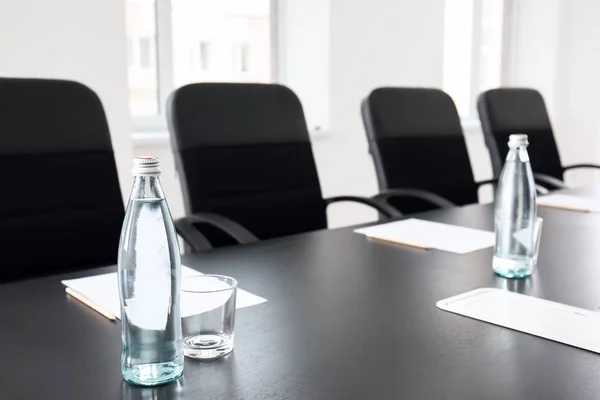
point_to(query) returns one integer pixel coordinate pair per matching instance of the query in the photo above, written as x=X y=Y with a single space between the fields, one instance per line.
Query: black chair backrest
x=416 y=141
x=61 y=207
x=243 y=151
x=517 y=110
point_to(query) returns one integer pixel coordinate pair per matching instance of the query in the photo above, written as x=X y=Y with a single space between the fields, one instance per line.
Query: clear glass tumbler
x=208 y=311
x=537 y=238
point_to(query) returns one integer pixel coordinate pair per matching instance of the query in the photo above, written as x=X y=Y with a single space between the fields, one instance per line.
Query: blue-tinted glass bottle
x=149 y=283
x=515 y=213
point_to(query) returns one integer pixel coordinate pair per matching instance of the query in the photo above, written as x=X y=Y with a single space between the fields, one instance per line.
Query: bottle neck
x=146 y=187
x=518 y=153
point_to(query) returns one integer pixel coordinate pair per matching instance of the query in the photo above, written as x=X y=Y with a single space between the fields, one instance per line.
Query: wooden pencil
x=91 y=305
x=418 y=246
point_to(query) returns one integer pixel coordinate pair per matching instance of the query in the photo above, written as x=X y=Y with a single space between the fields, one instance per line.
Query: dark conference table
x=346 y=318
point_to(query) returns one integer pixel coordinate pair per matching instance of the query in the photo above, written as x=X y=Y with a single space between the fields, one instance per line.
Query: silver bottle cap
x=146 y=165
x=517 y=140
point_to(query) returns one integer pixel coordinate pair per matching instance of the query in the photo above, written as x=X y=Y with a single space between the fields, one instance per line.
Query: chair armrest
x=198 y=242
x=581 y=166
x=542 y=183
x=429 y=197
x=548 y=182
x=380 y=206
x=541 y=190
x=493 y=181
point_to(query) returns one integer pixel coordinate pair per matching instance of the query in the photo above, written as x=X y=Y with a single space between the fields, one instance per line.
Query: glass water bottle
x=515 y=213
x=149 y=283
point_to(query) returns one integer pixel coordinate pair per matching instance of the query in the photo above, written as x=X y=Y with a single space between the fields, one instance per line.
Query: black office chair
x=61 y=207
x=416 y=140
x=245 y=160
x=516 y=110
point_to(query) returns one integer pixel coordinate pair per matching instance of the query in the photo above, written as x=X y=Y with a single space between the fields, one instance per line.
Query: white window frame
x=475 y=59
x=164 y=63
x=472 y=120
x=508 y=41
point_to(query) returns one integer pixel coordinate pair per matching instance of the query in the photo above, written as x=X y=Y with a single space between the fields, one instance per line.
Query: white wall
x=303 y=56
x=380 y=42
x=556 y=49
x=577 y=115
x=533 y=42
x=371 y=44
x=77 y=40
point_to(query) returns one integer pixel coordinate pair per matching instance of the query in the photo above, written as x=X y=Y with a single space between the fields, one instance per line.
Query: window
x=240 y=57
x=175 y=42
x=146 y=53
x=130 y=56
x=141 y=53
x=201 y=56
x=472 y=50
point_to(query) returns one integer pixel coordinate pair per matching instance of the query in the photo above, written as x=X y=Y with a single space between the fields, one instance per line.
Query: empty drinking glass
x=537 y=238
x=208 y=308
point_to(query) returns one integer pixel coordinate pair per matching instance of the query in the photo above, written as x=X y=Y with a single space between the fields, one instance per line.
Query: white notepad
x=554 y=321
x=569 y=202
x=103 y=290
x=435 y=235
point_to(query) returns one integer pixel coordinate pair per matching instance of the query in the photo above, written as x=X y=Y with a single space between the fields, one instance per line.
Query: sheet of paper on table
x=569 y=202
x=103 y=290
x=554 y=321
x=434 y=235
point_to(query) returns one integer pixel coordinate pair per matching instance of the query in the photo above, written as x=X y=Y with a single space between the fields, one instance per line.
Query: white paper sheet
x=103 y=290
x=567 y=201
x=554 y=321
x=435 y=235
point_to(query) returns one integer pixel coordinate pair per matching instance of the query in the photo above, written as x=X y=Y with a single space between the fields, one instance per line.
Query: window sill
x=150 y=137
x=471 y=126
